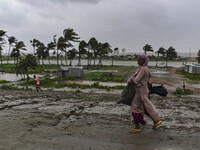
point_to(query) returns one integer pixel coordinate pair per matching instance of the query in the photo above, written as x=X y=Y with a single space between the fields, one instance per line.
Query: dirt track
x=90 y=121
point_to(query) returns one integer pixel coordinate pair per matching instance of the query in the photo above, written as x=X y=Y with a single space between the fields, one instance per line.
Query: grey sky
x=128 y=24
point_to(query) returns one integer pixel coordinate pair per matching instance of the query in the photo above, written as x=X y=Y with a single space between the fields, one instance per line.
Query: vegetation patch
x=179 y=91
x=10 y=87
x=58 y=83
x=4 y=81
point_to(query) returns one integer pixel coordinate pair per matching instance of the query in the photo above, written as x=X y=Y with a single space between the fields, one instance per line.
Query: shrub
x=180 y=92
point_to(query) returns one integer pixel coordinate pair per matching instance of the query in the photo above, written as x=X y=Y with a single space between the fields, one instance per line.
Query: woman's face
x=140 y=61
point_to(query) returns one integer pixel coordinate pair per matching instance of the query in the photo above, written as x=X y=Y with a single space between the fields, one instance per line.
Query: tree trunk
x=112 y=60
x=8 y=54
x=66 y=59
x=100 y=61
x=70 y=62
x=94 y=60
x=157 y=60
x=79 y=60
x=57 y=59
x=43 y=62
x=166 y=60
x=49 y=62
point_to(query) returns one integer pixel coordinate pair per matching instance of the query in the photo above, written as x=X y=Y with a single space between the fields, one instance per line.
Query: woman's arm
x=140 y=75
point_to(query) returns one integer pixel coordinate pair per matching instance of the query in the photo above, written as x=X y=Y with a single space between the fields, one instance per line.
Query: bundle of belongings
x=128 y=93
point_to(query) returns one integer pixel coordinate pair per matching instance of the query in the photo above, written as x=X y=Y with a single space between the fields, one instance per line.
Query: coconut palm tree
x=198 y=54
x=89 y=54
x=60 y=46
x=147 y=48
x=103 y=50
x=115 y=51
x=41 y=52
x=18 y=50
x=2 y=42
x=94 y=46
x=24 y=64
x=170 y=54
x=50 y=46
x=70 y=36
x=123 y=51
x=33 y=43
x=11 y=40
x=81 y=50
x=160 y=51
x=71 y=55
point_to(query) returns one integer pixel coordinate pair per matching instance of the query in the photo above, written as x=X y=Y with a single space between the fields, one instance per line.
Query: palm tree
x=116 y=50
x=11 y=41
x=170 y=54
x=94 y=46
x=103 y=50
x=17 y=50
x=160 y=51
x=123 y=51
x=89 y=54
x=81 y=50
x=60 y=45
x=50 y=46
x=41 y=51
x=28 y=62
x=33 y=43
x=70 y=36
x=198 y=54
x=2 y=42
x=71 y=55
x=147 y=48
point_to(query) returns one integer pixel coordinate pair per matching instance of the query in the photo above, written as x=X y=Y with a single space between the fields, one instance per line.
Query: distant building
x=192 y=68
x=70 y=71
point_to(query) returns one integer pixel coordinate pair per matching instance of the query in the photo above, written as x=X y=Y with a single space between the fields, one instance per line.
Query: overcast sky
x=128 y=24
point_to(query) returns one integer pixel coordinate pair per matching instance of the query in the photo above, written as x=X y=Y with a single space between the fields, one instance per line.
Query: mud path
x=91 y=121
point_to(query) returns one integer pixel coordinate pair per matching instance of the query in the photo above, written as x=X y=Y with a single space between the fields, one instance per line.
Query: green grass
x=11 y=87
x=60 y=83
x=4 y=81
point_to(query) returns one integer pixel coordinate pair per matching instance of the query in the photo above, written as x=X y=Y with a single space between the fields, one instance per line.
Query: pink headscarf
x=146 y=61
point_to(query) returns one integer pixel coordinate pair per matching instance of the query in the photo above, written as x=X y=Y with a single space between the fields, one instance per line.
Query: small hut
x=70 y=71
x=192 y=68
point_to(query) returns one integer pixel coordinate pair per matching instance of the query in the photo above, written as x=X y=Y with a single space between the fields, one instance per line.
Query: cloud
x=42 y=3
x=126 y=24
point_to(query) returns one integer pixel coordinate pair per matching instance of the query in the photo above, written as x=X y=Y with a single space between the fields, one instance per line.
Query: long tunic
x=141 y=102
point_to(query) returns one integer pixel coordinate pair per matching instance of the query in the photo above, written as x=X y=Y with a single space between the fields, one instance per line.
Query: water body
x=116 y=63
x=13 y=77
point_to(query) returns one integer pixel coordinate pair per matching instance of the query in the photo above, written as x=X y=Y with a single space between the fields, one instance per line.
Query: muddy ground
x=52 y=120
x=91 y=119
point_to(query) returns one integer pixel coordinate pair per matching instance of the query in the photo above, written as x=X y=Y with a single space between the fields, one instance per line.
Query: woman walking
x=141 y=104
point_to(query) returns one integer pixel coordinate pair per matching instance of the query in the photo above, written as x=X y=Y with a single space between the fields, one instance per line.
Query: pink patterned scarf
x=146 y=61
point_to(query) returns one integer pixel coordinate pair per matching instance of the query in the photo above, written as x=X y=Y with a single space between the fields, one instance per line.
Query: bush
x=180 y=92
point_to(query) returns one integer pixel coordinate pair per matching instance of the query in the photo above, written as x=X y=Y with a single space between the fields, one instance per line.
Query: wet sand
x=93 y=121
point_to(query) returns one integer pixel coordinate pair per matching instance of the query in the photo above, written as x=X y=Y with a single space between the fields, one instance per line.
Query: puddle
x=13 y=77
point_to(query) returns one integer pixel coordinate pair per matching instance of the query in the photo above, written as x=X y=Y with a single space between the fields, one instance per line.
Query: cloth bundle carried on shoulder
x=128 y=93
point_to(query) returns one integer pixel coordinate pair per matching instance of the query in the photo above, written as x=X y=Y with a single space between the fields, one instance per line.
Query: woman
x=141 y=104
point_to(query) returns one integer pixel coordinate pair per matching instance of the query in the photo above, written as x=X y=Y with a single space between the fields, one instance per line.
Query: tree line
x=64 y=50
